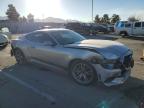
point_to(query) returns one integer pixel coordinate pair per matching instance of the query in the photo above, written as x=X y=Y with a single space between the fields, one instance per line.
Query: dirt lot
x=137 y=46
x=135 y=87
x=132 y=89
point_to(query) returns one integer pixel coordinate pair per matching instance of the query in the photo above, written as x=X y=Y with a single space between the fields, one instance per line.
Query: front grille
x=127 y=61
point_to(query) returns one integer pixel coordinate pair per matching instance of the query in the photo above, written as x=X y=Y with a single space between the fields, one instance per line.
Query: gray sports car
x=86 y=60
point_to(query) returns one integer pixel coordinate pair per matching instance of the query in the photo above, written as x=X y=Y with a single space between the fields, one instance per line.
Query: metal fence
x=24 y=27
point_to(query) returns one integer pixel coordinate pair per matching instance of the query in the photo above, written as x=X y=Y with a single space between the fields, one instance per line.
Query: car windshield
x=65 y=37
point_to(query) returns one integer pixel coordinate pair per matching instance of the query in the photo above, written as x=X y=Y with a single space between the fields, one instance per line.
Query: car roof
x=52 y=29
x=48 y=30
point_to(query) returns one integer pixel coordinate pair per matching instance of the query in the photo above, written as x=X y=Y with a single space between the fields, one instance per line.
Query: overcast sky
x=75 y=9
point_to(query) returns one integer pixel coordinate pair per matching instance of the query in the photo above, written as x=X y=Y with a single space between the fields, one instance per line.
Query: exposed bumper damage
x=112 y=77
x=120 y=71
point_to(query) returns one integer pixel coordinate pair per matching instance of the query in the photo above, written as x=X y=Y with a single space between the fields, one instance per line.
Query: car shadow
x=133 y=88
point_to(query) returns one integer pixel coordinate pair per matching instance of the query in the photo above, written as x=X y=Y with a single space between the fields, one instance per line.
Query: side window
x=128 y=25
x=142 y=24
x=44 y=38
x=39 y=37
x=138 y=24
x=122 y=24
x=32 y=37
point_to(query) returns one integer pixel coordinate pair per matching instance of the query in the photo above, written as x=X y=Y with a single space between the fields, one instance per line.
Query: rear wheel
x=124 y=34
x=82 y=72
x=20 y=58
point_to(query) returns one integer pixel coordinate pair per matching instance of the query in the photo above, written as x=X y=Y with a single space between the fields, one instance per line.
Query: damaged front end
x=117 y=72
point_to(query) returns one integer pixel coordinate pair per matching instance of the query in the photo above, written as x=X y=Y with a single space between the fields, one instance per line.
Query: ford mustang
x=86 y=60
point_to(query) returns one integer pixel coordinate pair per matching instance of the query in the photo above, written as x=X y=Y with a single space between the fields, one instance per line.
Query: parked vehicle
x=87 y=60
x=100 y=28
x=109 y=27
x=86 y=28
x=3 y=41
x=82 y=28
x=5 y=31
x=129 y=28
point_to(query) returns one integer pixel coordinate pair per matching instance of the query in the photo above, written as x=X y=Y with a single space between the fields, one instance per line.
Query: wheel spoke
x=83 y=73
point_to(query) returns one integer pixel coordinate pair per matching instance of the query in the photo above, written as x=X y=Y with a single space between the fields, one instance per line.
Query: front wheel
x=82 y=73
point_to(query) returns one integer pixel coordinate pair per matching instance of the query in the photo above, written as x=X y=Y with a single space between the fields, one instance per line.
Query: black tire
x=84 y=75
x=20 y=58
x=124 y=34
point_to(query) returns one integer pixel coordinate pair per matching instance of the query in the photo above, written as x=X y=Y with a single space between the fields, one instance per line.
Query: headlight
x=108 y=66
x=96 y=60
x=110 y=56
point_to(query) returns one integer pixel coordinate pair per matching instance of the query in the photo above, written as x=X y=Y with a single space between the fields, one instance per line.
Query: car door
x=137 y=29
x=32 y=42
x=128 y=28
x=51 y=52
x=43 y=48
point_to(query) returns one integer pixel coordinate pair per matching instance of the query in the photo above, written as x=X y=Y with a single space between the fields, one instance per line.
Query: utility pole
x=92 y=10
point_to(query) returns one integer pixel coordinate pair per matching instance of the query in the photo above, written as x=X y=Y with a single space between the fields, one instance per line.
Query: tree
x=105 y=19
x=30 y=17
x=102 y=20
x=23 y=19
x=12 y=13
x=115 y=18
x=133 y=19
x=97 y=19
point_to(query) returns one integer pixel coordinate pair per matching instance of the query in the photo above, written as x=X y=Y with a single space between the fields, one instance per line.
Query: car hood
x=104 y=47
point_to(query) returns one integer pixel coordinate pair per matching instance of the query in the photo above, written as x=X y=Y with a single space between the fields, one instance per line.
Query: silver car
x=87 y=61
x=3 y=41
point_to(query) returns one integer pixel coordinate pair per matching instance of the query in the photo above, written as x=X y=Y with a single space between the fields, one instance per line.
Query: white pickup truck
x=129 y=28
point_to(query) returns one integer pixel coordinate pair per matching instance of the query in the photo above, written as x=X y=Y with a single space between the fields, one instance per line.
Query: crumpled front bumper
x=112 y=77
